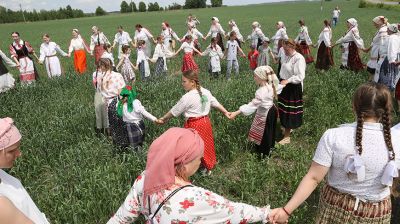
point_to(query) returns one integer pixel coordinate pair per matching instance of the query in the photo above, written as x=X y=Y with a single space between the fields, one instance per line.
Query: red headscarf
x=176 y=146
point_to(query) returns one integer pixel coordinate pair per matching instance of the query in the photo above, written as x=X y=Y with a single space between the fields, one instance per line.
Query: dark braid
x=387 y=135
x=360 y=124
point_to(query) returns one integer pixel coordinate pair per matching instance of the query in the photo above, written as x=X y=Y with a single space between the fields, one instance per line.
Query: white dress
x=168 y=34
x=142 y=57
x=48 y=55
x=145 y=35
x=279 y=35
x=255 y=35
x=12 y=189
x=215 y=55
x=6 y=80
x=122 y=39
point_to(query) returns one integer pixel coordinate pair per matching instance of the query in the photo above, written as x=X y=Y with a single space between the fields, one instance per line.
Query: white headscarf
x=256 y=24
x=393 y=28
x=353 y=22
x=281 y=24
x=215 y=19
x=380 y=20
x=267 y=73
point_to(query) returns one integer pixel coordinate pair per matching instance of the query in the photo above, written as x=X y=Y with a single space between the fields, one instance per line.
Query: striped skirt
x=290 y=104
x=262 y=131
x=203 y=126
x=306 y=52
x=340 y=208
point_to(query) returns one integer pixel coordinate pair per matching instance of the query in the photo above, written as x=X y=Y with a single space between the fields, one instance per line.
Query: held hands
x=228 y=114
x=284 y=82
x=278 y=216
x=159 y=122
x=233 y=115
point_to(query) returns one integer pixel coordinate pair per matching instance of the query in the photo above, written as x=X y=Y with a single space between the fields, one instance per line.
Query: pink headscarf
x=9 y=134
x=176 y=146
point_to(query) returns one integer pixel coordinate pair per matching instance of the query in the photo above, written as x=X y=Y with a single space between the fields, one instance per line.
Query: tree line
x=189 y=4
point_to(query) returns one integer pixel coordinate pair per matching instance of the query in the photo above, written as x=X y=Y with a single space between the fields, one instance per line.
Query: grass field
x=75 y=177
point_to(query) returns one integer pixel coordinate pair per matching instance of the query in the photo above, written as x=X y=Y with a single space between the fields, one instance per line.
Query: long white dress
x=168 y=34
x=121 y=39
x=145 y=35
x=215 y=55
x=6 y=79
x=48 y=55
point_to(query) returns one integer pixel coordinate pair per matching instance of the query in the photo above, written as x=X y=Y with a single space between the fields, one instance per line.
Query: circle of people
x=163 y=192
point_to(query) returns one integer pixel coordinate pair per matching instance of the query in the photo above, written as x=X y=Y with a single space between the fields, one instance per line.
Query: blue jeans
x=335 y=21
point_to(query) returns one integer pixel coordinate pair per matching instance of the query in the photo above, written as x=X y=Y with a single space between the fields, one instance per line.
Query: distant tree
x=68 y=12
x=124 y=7
x=195 y=4
x=216 y=3
x=132 y=7
x=100 y=11
x=174 y=6
x=142 y=7
x=161 y=9
x=153 y=7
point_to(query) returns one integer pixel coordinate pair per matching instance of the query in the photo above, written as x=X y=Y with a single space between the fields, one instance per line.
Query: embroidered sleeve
x=13 y=52
x=29 y=47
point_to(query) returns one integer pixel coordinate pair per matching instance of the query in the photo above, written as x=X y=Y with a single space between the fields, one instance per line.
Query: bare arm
x=9 y=214
x=120 y=62
x=167 y=116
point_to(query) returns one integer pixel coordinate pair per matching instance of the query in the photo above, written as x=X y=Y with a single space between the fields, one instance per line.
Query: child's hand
x=159 y=122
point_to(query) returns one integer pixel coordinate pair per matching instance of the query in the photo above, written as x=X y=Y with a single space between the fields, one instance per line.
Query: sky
x=108 y=5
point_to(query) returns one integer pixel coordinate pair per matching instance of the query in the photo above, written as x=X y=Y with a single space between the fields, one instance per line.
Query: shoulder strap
x=165 y=200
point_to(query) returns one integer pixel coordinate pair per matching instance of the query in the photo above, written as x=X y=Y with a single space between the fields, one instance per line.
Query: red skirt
x=188 y=63
x=354 y=61
x=98 y=52
x=203 y=126
x=306 y=52
x=80 y=61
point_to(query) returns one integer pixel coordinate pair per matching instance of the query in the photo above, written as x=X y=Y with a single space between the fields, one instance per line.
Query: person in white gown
x=48 y=56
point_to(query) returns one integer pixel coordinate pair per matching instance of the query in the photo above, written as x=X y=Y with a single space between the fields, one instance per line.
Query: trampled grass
x=76 y=177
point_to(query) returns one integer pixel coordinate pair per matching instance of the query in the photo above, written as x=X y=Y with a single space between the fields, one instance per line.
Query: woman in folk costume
x=97 y=42
x=196 y=34
x=215 y=53
x=167 y=33
x=192 y=21
x=20 y=51
x=122 y=38
x=350 y=43
x=360 y=161
x=163 y=193
x=394 y=59
x=279 y=37
x=17 y=207
x=262 y=131
x=195 y=106
x=380 y=23
x=188 y=48
x=144 y=34
x=235 y=28
x=216 y=31
x=48 y=55
x=304 y=42
x=290 y=101
x=78 y=46
x=6 y=79
x=160 y=55
x=257 y=36
x=324 y=55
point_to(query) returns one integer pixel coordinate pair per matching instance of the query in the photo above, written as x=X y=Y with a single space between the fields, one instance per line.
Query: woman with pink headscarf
x=16 y=205
x=163 y=192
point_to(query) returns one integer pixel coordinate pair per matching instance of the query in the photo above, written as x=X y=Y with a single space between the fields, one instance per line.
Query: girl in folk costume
x=192 y=21
x=262 y=131
x=257 y=36
x=235 y=28
x=324 y=55
x=351 y=42
x=48 y=55
x=122 y=38
x=78 y=46
x=195 y=105
x=304 y=42
x=144 y=34
x=265 y=54
x=20 y=51
x=161 y=53
x=100 y=103
x=360 y=161
x=215 y=53
x=126 y=66
x=111 y=86
x=108 y=54
x=97 y=42
x=394 y=59
x=217 y=32
x=142 y=63
x=290 y=101
x=6 y=79
x=195 y=36
x=167 y=33
x=132 y=112
x=279 y=36
x=188 y=48
x=380 y=23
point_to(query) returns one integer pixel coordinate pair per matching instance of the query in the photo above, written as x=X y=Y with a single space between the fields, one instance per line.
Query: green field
x=75 y=177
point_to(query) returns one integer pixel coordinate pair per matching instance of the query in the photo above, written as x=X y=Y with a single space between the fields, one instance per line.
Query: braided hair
x=193 y=75
x=372 y=100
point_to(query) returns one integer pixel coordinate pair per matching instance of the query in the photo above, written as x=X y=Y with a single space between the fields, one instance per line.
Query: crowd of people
x=359 y=160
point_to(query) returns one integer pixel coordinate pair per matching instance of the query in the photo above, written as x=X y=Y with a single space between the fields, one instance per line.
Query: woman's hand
x=284 y=82
x=159 y=122
x=278 y=215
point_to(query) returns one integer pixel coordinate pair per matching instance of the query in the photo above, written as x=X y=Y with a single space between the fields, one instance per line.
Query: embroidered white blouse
x=108 y=56
x=195 y=33
x=303 y=36
x=325 y=36
x=190 y=104
x=215 y=54
x=293 y=68
x=339 y=143
x=262 y=102
x=168 y=34
x=255 y=35
x=98 y=39
x=50 y=49
x=186 y=47
x=352 y=35
x=187 y=206
x=137 y=113
x=161 y=51
x=77 y=44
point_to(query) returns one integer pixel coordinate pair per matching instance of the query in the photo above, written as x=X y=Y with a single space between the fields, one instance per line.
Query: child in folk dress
x=253 y=57
x=161 y=53
x=142 y=63
x=265 y=53
x=130 y=109
x=232 y=47
x=215 y=53
x=195 y=106
x=108 y=54
x=262 y=131
x=188 y=62
x=127 y=66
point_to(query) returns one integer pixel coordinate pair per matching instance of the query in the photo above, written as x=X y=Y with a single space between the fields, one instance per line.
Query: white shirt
x=293 y=68
x=325 y=36
x=232 y=48
x=255 y=35
x=77 y=44
x=190 y=104
x=8 y=61
x=108 y=56
x=279 y=35
x=137 y=113
x=215 y=29
x=238 y=34
x=12 y=189
x=168 y=34
x=215 y=54
x=186 y=47
x=161 y=51
x=122 y=39
x=393 y=47
x=303 y=36
x=143 y=34
x=262 y=102
x=335 y=13
x=196 y=34
x=50 y=49
x=141 y=56
x=338 y=143
x=98 y=39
